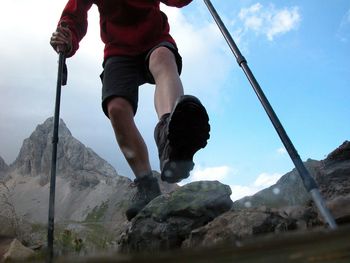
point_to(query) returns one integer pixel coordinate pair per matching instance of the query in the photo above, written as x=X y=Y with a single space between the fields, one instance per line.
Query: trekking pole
x=61 y=80
x=308 y=181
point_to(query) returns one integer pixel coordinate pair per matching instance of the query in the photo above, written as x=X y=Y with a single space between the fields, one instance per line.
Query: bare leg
x=163 y=67
x=168 y=88
x=128 y=136
x=180 y=137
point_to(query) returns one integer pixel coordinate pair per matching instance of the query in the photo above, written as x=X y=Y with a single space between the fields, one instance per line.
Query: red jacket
x=128 y=27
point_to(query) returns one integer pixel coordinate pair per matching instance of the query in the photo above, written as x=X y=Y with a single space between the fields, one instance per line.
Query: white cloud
x=250 y=16
x=211 y=173
x=347 y=17
x=264 y=180
x=219 y=173
x=344 y=28
x=27 y=66
x=283 y=21
x=269 y=21
x=224 y=174
x=24 y=48
x=240 y=191
x=250 y=10
x=281 y=151
x=201 y=46
x=92 y=46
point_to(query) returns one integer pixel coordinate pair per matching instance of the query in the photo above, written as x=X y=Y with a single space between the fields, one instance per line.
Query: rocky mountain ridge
x=331 y=174
x=91 y=199
x=81 y=175
x=88 y=189
x=81 y=164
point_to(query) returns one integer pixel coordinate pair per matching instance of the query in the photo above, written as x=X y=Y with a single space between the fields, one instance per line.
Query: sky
x=297 y=50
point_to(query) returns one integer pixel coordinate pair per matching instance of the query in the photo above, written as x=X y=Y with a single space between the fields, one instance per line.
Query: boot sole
x=188 y=132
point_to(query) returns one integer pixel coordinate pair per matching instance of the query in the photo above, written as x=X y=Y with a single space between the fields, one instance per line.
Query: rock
x=8 y=220
x=305 y=216
x=342 y=153
x=288 y=191
x=83 y=180
x=332 y=176
x=3 y=168
x=234 y=226
x=81 y=164
x=203 y=199
x=334 y=173
x=340 y=209
x=17 y=252
x=318 y=245
x=168 y=220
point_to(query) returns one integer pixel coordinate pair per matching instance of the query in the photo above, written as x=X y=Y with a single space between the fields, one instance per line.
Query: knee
x=162 y=59
x=119 y=109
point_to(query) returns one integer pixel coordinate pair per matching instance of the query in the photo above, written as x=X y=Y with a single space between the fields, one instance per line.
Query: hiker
x=138 y=50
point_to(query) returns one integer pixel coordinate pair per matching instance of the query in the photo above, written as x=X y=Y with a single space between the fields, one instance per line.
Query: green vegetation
x=68 y=241
x=79 y=238
x=82 y=238
x=97 y=213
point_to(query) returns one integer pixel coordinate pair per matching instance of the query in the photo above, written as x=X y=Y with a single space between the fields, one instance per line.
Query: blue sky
x=298 y=50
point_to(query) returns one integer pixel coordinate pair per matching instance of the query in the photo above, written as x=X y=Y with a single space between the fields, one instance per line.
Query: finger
x=64 y=31
x=56 y=43
x=60 y=38
x=60 y=48
x=58 y=34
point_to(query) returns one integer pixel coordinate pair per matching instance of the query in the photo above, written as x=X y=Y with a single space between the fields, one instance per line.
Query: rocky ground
x=317 y=245
x=92 y=200
x=200 y=214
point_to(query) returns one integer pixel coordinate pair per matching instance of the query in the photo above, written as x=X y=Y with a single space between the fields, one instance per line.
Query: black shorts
x=122 y=75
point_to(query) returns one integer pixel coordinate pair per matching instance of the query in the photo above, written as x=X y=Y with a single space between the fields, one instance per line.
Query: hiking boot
x=147 y=190
x=179 y=135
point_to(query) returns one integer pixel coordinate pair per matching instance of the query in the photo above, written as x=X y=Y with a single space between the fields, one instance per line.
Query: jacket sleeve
x=176 y=3
x=74 y=15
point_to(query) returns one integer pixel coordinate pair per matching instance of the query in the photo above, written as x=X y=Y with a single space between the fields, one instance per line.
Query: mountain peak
x=342 y=153
x=73 y=158
x=47 y=128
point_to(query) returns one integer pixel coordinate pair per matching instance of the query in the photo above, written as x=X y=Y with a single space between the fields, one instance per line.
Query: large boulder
x=169 y=219
x=235 y=226
x=284 y=206
x=17 y=252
